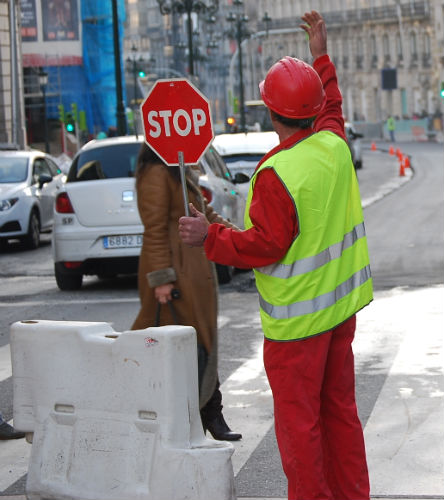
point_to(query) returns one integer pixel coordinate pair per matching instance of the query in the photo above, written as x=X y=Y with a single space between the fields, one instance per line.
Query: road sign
x=176 y=119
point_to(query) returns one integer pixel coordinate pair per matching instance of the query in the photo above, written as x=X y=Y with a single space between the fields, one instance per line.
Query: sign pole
x=184 y=183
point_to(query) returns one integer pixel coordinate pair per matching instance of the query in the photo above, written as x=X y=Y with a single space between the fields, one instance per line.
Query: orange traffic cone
x=401 y=166
x=406 y=162
x=373 y=147
x=398 y=153
x=391 y=151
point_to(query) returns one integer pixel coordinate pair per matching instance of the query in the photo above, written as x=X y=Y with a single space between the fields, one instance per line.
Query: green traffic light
x=142 y=74
x=69 y=127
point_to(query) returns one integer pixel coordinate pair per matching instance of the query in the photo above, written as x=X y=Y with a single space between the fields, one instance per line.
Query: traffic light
x=142 y=74
x=61 y=109
x=74 y=111
x=231 y=120
x=441 y=93
x=231 y=124
x=70 y=123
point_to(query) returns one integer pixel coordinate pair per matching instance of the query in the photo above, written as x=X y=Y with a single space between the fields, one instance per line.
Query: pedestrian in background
x=166 y=264
x=391 y=126
x=305 y=239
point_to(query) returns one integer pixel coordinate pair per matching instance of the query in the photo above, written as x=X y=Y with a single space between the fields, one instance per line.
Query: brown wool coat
x=165 y=259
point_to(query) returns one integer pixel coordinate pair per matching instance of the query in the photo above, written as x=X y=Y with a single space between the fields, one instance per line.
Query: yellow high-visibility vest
x=324 y=278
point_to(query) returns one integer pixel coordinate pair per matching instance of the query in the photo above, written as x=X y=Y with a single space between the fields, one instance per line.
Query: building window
x=374 y=51
x=399 y=48
x=386 y=49
x=413 y=49
x=426 y=53
x=359 y=54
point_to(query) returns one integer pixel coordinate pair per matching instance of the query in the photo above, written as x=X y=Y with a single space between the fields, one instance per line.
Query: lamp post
x=188 y=7
x=120 y=111
x=43 y=82
x=238 y=20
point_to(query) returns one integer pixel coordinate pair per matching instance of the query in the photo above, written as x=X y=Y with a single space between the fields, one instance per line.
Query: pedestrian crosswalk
x=400 y=337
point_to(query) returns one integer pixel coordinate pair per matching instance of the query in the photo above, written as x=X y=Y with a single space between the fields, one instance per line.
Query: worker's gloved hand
x=194 y=229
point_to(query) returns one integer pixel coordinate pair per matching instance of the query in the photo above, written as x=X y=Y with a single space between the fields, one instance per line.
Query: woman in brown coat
x=166 y=264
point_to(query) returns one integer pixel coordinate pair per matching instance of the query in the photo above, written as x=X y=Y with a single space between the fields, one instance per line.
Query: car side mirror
x=240 y=178
x=355 y=135
x=44 y=179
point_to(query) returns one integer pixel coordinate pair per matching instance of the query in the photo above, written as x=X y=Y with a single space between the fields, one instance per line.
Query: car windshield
x=245 y=163
x=244 y=159
x=107 y=162
x=13 y=170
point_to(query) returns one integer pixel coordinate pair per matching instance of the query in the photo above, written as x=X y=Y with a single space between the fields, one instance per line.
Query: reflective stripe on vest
x=311 y=263
x=318 y=303
x=324 y=278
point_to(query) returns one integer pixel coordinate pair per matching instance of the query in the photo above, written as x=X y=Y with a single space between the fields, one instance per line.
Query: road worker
x=305 y=238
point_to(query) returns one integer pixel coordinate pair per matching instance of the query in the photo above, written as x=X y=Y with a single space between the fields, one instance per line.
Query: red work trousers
x=317 y=426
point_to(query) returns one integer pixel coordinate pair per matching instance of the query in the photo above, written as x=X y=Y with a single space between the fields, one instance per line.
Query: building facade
x=388 y=54
x=12 y=130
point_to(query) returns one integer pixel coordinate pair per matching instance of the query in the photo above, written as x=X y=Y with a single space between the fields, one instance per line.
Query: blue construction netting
x=92 y=86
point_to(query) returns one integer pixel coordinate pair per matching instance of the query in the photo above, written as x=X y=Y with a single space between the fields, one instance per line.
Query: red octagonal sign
x=176 y=118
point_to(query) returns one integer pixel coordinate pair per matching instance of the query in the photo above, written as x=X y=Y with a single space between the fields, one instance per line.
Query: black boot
x=8 y=432
x=219 y=429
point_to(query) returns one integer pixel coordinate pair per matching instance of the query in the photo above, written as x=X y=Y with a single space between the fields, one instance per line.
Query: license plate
x=122 y=241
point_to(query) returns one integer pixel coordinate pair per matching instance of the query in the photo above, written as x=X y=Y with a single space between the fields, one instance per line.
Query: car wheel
x=32 y=238
x=224 y=273
x=67 y=281
x=4 y=244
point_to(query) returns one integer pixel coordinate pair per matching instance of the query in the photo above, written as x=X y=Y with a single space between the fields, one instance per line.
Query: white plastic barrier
x=115 y=416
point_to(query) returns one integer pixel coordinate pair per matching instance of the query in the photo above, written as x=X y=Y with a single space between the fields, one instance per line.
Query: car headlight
x=7 y=204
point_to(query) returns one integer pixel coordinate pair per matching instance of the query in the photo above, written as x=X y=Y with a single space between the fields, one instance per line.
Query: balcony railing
x=410 y=11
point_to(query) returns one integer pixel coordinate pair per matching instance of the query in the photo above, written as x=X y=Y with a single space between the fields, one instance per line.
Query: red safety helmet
x=293 y=89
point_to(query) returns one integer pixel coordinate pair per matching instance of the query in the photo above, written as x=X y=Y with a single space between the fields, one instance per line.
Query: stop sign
x=176 y=118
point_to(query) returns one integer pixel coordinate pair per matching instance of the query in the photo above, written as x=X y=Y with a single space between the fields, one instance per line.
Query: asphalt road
x=404 y=222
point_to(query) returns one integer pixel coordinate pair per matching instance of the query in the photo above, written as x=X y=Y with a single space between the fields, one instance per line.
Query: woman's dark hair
x=148 y=157
x=294 y=122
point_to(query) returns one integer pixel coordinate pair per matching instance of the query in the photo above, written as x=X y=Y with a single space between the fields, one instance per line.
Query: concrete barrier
x=115 y=416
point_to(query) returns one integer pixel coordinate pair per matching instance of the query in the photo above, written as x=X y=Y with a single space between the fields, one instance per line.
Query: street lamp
x=120 y=109
x=238 y=20
x=43 y=82
x=188 y=7
x=266 y=19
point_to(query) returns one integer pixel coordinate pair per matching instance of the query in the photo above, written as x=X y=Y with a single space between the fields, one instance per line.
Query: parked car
x=29 y=182
x=97 y=228
x=355 y=144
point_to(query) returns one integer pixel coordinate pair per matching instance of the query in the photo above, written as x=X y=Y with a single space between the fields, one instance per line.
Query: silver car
x=97 y=228
x=29 y=182
x=355 y=144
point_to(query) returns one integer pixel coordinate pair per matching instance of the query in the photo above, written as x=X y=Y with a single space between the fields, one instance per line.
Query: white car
x=242 y=152
x=29 y=182
x=97 y=228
